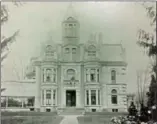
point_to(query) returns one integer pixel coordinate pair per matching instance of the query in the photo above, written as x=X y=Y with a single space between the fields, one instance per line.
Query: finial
x=70 y=11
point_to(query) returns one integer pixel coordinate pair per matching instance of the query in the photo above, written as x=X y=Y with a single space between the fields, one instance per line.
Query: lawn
x=38 y=118
x=96 y=118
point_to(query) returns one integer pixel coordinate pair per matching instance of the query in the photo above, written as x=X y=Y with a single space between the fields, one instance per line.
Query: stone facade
x=90 y=76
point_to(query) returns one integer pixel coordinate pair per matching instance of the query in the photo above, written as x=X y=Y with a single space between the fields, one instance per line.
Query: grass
x=30 y=118
x=96 y=118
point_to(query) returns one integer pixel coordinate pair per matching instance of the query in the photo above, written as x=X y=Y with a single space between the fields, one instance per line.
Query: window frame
x=113 y=76
x=94 y=97
x=114 y=97
x=67 y=50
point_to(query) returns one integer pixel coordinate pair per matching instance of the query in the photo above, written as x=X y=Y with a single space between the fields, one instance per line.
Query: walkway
x=70 y=119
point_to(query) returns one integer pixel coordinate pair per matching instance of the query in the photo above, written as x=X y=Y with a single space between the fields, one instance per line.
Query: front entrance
x=70 y=98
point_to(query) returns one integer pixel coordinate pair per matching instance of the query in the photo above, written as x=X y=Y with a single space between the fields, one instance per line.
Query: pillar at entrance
x=64 y=98
x=78 y=98
x=52 y=92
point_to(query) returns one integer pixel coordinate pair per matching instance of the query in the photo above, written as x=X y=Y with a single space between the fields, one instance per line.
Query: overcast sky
x=118 y=21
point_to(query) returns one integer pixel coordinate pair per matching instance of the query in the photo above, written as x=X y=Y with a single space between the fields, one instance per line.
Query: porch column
x=96 y=97
x=6 y=102
x=96 y=75
x=89 y=97
x=56 y=98
x=52 y=91
x=64 y=98
x=85 y=94
x=77 y=98
x=44 y=97
x=37 y=95
x=22 y=102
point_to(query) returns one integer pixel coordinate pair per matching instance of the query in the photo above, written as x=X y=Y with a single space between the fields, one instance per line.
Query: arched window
x=114 y=96
x=67 y=50
x=92 y=51
x=113 y=76
x=49 y=75
x=71 y=74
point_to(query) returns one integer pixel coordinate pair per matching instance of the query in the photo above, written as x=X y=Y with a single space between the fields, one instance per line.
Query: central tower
x=70 y=28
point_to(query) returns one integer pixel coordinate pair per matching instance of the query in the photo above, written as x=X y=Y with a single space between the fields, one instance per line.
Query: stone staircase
x=71 y=111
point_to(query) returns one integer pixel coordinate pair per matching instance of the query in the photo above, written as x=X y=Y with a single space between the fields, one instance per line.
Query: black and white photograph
x=78 y=62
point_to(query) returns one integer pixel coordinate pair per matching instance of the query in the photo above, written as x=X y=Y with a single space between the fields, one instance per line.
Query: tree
x=148 y=41
x=6 y=41
x=142 y=81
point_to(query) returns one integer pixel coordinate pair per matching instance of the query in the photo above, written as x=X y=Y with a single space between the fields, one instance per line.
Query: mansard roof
x=112 y=52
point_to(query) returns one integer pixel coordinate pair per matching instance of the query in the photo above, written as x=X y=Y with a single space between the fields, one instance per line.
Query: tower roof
x=70 y=13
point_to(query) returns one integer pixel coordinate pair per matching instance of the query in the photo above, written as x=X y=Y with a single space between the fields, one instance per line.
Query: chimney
x=100 y=40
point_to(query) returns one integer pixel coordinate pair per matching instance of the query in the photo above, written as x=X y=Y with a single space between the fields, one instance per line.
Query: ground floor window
x=49 y=97
x=114 y=99
x=114 y=96
x=19 y=102
x=87 y=97
x=98 y=97
x=92 y=97
x=54 y=97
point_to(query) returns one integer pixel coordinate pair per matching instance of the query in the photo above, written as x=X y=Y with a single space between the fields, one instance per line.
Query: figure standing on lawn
x=132 y=109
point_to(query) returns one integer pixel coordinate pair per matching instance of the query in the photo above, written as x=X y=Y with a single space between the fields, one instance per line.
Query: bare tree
x=7 y=41
x=143 y=79
x=19 y=69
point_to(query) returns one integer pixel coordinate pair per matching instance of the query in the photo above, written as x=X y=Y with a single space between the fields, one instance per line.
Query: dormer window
x=49 y=51
x=67 y=50
x=113 y=76
x=73 y=50
x=92 y=51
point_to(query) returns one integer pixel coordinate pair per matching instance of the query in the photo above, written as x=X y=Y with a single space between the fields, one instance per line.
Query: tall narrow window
x=54 y=97
x=43 y=97
x=92 y=75
x=113 y=76
x=92 y=51
x=49 y=51
x=54 y=75
x=67 y=50
x=44 y=75
x=73 y=50
x=97 y=75
x=87 y=75
x=98 y=97
x=93 y=97
x=114 y=96
x=48 y=97
x=48 y=75
x=87 y=97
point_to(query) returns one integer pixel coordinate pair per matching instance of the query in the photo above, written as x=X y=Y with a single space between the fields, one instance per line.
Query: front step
x=71 y=111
